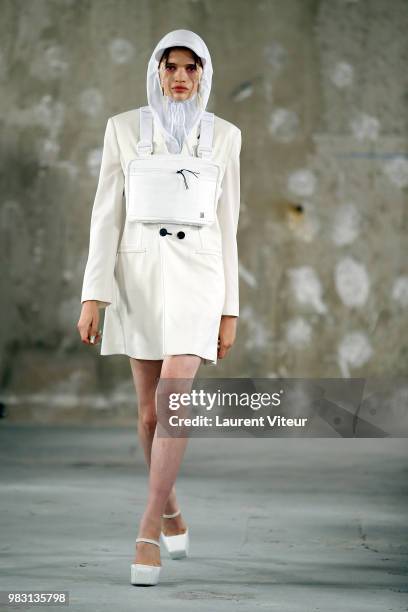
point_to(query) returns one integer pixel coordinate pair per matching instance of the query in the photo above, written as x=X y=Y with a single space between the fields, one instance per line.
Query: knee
x=148 y=419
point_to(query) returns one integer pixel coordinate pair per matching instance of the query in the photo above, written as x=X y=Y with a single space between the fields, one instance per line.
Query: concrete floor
x=283 y=524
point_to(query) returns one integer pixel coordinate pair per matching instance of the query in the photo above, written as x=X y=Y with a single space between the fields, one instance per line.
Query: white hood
x=178 y=117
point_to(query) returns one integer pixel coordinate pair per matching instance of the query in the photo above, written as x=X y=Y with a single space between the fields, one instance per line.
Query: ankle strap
x=148 y=540
x=172 y=515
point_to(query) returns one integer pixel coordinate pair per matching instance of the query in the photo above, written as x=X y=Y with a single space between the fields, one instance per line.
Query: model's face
x=180 y=71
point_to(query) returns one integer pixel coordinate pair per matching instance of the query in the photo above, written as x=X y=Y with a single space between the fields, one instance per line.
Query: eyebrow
x=175 y=64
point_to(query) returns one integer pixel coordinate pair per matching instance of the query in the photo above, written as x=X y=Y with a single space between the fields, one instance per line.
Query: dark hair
x=166 y=53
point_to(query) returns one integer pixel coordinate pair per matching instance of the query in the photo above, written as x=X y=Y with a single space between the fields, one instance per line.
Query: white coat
x=164 y=295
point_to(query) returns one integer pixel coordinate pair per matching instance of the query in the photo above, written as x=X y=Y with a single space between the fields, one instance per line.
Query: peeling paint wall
x=319 y=89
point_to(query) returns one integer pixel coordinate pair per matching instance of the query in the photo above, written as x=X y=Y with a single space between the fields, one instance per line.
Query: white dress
x=164 y=294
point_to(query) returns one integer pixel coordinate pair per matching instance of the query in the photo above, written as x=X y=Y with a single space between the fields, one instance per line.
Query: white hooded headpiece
x=178 y=117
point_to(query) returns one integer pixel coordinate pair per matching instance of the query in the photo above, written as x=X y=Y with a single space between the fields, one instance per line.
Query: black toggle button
x=180 y=235
x=163 y=231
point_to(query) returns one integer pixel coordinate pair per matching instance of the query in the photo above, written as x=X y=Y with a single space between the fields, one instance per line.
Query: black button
x=163 y=231
x=180 y=234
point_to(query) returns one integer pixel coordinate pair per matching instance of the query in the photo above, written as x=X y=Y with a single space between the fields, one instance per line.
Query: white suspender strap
x=145 y=145
x=204 y=148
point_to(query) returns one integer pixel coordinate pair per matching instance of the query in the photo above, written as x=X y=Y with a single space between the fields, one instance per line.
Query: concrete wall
x=319 y=89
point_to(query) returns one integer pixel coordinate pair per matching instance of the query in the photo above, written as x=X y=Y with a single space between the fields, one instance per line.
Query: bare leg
x=146 y=374
x=165 y=459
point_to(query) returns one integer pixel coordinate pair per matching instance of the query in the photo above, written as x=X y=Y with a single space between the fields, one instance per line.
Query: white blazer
x=164 y=295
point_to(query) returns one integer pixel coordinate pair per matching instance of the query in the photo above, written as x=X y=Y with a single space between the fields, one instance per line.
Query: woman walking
x=164 y=262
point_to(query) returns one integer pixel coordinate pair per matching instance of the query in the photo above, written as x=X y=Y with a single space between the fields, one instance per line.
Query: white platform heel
x=145 y=574
x=177 y=545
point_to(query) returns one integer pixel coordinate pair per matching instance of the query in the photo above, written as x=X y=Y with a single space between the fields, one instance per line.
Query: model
x=163 y=259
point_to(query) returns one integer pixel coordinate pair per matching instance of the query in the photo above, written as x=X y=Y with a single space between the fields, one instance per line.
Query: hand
x=89 y=322
x=226 y=337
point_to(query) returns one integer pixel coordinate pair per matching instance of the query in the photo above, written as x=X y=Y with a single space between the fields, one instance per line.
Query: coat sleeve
x=106 y=222
x=228 y=213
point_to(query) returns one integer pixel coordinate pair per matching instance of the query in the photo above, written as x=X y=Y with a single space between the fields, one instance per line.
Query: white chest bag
x=173 y=188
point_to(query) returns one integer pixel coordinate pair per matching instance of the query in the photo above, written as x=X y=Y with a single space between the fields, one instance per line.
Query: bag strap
x=205 y=146
x=145 y=145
